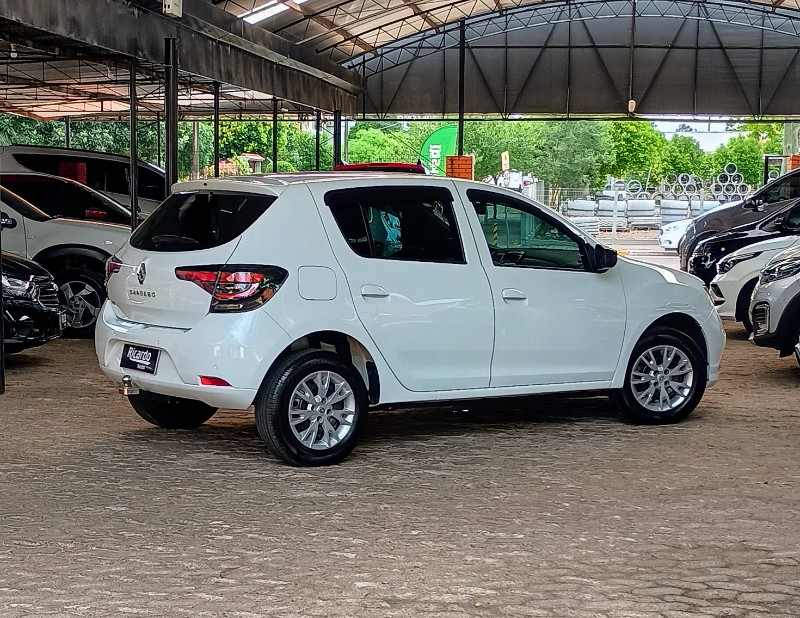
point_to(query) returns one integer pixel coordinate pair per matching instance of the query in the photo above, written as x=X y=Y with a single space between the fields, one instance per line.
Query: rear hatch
x=192 y=230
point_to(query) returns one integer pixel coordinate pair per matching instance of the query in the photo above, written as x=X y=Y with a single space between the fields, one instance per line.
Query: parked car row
x=70 y=230
x=748 y=255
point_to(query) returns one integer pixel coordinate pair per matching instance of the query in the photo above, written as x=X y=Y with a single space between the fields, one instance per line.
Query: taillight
x=113 y=265
x=235 y=287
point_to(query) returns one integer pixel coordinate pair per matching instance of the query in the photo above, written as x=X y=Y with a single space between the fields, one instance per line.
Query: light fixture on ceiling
x=266 y=10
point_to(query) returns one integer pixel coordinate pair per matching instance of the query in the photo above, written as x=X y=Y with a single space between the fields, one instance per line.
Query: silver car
x=775 y=305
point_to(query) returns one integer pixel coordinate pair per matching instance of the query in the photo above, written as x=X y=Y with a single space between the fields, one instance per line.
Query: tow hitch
x=127 y=386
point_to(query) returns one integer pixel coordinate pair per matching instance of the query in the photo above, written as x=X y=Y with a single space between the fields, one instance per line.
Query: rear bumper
x=239 y=348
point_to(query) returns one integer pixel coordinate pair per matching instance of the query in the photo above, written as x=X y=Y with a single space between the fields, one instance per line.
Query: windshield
x=193 y=221
x=58 y=197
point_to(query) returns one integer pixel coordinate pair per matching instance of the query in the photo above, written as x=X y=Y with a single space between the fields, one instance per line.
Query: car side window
x=517 y=236
x=398 y=223
x=786 y=189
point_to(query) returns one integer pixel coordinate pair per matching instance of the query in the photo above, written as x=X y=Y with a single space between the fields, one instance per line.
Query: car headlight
x=781 y=270
x=729 y=262
x=672 y=227
x=16 y=287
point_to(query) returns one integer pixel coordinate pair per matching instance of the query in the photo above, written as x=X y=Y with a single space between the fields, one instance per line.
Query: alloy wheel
x=322 y=410
x=82 y=303
x=662 y=378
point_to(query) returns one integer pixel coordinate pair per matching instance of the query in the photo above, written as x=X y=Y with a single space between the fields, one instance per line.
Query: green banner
x=440 y=144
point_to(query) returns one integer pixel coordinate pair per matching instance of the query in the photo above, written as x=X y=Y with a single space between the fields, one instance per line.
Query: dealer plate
x=139 y=358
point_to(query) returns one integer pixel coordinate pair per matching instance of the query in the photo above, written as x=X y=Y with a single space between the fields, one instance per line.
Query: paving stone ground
x=537 y=507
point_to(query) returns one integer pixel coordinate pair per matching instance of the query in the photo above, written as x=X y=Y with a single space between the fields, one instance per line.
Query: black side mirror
x=755 y=204
x=604 y=258
x=7 y=222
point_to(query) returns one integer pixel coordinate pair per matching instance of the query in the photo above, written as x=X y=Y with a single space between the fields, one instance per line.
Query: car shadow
x=236 y=432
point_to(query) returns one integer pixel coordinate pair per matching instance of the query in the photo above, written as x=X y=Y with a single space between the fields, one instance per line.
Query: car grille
x=760 y=319
x=47 y=292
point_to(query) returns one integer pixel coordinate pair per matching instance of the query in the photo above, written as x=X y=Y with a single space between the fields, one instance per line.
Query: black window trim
x=533 y=210
x=337 y=196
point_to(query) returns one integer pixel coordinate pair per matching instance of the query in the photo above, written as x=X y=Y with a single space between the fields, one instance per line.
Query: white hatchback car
x=314 y=296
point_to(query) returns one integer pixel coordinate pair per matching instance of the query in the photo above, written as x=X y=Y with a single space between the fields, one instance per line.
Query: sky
x=710 y=135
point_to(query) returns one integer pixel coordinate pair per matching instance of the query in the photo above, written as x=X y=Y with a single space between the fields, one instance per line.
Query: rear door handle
x=373 y=291
x=513 y=294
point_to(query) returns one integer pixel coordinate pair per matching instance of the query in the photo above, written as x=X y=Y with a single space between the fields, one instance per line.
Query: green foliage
x=374 y=145
x=636 y=149
x=746 y=152
x=18 y=130
x=572 y=154
x=241 y=165
x=684 y=154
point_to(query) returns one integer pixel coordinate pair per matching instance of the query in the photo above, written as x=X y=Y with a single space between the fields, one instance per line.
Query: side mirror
x=755 y=204
x=604 y=258
x=7 y=222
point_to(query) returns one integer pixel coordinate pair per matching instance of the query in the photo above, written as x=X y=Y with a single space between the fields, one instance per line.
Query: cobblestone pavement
x=538 y=507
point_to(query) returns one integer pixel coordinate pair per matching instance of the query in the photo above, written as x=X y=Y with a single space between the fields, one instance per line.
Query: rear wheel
x=83 y=293
x=665 y=379
x=171 y=412
x=311 y=408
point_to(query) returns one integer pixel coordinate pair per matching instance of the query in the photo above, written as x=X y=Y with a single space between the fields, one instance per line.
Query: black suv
x=31 y=309
x=785 y=222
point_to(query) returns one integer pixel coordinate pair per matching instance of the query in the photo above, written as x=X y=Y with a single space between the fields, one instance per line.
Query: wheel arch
x=72 y=256
x=743 y=300
x=346 y=346
x=683 y=323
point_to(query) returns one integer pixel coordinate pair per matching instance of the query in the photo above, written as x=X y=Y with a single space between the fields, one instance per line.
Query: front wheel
x=171 y=412
x=311 y=409
x=665 y=379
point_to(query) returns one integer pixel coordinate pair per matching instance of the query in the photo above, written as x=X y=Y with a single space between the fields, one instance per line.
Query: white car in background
x=738 y=275
x=670 y=234
x=775 y=306
x=314 y=297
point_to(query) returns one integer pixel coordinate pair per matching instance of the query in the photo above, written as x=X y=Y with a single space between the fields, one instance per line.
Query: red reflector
x=212 y=381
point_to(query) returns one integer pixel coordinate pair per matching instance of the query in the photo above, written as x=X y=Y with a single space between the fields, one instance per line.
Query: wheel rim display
x=82 y=303
x=662 y=378
x=322 y=410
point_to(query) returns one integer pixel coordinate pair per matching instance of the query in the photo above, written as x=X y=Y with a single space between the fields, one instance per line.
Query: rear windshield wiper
x=161 y=239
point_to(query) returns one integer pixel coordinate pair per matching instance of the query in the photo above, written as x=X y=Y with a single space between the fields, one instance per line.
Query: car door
x=14 y=237
x=556 y=321
x=416 y=281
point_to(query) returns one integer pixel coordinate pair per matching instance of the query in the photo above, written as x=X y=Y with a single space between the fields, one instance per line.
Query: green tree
x=374 y=145
x=572 y=154
x=636 y=149
x=205 y=146
x=683 y=154
x=746 y=151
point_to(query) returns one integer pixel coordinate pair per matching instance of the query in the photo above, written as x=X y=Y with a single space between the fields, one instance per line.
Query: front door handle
x=373 y=291
x=513 y=294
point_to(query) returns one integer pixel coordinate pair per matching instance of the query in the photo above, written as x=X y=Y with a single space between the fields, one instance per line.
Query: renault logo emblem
x=141 y=273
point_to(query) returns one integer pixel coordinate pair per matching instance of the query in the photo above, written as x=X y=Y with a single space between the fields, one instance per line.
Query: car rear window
x=192 y=221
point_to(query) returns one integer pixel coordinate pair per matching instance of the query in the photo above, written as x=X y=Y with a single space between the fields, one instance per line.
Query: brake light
x=113 y=265
x=235 y=287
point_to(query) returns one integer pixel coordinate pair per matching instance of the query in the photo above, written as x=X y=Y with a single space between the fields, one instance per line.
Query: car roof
x=94 y=154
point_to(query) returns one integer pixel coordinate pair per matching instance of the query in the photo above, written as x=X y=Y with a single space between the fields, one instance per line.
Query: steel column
x=275 y=104
x=2 y=334
x=462 y=58
x=337 y=137
x=67 y=132
x=158 y=140
x=216 y=129
x=133 y=173
x=171 y=110
x=318 y=131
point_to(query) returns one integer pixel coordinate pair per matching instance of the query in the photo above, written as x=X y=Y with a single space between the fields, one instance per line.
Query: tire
x=171 y=412
x=83 y=292
x=688 y=395
x=743 y=305
x=296 y=432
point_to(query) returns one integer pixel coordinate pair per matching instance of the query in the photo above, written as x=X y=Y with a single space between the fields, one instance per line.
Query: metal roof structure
x=529 y=57
x=378 y=58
